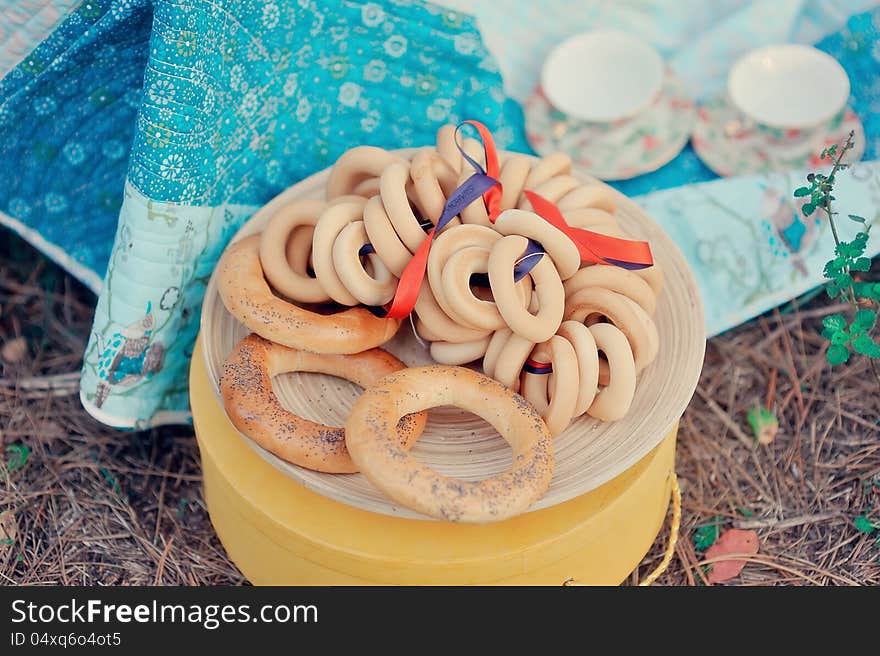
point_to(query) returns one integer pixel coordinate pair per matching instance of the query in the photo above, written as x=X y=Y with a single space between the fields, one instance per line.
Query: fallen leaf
x=7 y=532
x=733 y=541
x=764 y=424
x=14 y=350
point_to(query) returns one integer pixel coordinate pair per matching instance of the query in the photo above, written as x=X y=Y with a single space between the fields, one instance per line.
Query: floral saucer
x=621 y=149
x=729 y=145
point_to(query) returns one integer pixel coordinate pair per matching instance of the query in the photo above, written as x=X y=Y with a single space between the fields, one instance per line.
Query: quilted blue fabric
x=241 y=98
x=211 y=108
x=203 y=102
x=857 y=48
x=67 y=117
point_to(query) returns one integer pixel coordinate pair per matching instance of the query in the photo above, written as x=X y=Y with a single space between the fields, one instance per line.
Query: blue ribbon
x=469 y=191
x=539 y=368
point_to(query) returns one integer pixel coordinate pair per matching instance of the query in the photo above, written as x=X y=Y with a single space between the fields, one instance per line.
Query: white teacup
x=789 y=91
x=602 y=77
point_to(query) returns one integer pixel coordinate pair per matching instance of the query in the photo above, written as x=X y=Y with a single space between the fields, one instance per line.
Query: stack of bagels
x=569 y=336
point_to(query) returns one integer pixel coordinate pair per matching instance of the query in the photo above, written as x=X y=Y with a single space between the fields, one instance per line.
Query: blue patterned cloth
x=211 y=108
x=67 y=117
x=138 y=136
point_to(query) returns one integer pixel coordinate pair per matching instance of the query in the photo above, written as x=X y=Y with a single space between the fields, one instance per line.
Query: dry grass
x=98 y=506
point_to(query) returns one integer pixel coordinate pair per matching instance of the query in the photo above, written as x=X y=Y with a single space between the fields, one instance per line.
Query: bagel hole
x=321 y=398
x=292 y=256
x=483 y=293
x=330 y=307
x=462 y=445
x=479 y=282
x=604 y=370
x=417 y=211
x=317 y=397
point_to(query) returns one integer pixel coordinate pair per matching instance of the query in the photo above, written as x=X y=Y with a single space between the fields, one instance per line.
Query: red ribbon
x=492 y=197
x=483 y=183
x=593 y=246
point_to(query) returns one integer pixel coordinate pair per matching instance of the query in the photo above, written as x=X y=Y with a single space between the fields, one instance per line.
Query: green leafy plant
x=853 y=333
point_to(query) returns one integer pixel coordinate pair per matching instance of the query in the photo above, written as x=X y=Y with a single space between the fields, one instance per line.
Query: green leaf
x=745 y=512
x=867 y=289
x=857 y=218
x=837 y=354
x=802 y=191
x=864 y=345
x=834 y=322
x=832 y=289
x=843 y=280
x=828 y=333
x=840 y=337
x=764 y=424
x=863 y=289
x=705 y=535
x=835 y=266
x=865 y=318
x=864 y=525
x=861 y=264
x=18 y=456
x=808 y=208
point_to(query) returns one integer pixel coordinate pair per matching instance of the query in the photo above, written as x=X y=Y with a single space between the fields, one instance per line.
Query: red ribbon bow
x=592 y=246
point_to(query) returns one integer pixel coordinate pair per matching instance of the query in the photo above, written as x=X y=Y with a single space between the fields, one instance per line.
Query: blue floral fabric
x=230 y=102
x=857 y=48
x=67 y=116
x=242 y=98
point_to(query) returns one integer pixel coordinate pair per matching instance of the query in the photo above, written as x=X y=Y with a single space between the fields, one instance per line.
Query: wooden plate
x=588 y=454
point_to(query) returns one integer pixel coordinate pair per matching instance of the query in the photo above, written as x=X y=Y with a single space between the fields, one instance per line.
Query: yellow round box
x=280 y=533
